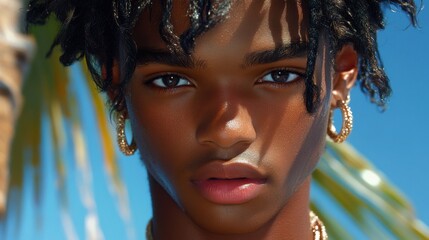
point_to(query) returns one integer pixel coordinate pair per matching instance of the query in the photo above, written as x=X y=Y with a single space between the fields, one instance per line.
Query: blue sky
x=396 y=141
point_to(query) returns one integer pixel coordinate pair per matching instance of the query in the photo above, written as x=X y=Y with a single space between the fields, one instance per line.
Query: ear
x=112 y=92
x=345 y=73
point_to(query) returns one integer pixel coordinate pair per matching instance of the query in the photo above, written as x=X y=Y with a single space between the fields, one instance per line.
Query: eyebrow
x=281 y=52
x=284 y=51
x=145 y=57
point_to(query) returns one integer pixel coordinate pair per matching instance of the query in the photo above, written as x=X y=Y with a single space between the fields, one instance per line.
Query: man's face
x=225 y=133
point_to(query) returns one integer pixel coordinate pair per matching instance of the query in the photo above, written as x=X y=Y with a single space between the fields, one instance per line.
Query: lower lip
x=230 y=191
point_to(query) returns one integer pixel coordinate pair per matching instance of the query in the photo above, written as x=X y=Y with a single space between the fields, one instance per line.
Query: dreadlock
x=91 y=29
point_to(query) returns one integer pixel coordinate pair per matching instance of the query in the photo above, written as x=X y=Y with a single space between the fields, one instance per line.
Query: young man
x=229 y=101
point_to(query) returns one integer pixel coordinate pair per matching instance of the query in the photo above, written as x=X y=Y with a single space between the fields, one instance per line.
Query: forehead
x=249 y=25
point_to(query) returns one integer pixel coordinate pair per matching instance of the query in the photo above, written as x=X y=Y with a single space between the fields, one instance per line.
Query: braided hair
x=91 y=29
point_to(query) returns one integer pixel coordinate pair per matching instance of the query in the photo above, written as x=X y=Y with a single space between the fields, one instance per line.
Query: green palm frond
x=48 y=98
x=375 y=205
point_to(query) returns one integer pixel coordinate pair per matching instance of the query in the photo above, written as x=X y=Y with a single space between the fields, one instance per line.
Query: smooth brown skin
x=231 y=112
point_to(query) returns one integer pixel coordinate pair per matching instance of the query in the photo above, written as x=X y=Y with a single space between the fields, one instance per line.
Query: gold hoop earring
x=347 y=125
x=127 y=149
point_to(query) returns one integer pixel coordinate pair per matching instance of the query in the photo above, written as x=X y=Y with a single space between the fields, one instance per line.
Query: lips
x=229 y=183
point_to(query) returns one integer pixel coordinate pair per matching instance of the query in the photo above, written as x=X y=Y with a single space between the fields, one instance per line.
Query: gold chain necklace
x=317 y=227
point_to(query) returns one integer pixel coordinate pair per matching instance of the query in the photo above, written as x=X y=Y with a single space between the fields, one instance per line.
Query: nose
x=226 y=125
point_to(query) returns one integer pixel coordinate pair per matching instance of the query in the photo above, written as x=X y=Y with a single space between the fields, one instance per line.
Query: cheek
x=311 y=148
x=297 y=144
x=296 y=154
x=297 y=139
x=161 y=136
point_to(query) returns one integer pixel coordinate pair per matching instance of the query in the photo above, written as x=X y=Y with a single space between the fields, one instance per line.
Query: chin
x=246 y=218
x=230 y=220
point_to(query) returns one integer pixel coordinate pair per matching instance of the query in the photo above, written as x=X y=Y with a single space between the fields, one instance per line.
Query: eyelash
x=297 y=76
x=180 y=81
x=159 y=81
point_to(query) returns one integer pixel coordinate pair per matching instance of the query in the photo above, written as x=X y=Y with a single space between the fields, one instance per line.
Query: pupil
x=280 y=76
x=170 y=81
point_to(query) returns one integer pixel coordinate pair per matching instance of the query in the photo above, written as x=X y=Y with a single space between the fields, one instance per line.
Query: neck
x=171 y=222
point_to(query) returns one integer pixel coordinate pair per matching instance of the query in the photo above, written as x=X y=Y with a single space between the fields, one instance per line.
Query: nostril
x=226 y=135
x=227 y=127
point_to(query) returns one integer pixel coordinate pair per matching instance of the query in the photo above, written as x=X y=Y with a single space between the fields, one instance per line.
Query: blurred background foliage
x=344 y=177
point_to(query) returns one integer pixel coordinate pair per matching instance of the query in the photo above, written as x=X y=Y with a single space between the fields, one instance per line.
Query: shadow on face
x=237 y=98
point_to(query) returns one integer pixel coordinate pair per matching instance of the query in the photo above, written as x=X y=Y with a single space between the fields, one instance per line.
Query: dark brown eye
x=280 y=76
x=170 y=81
